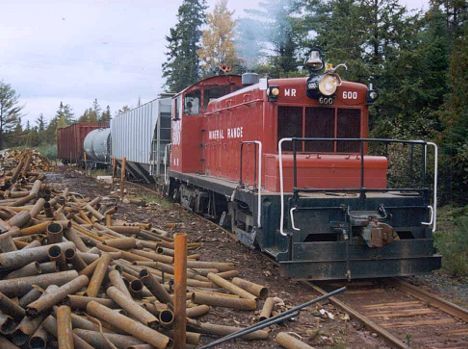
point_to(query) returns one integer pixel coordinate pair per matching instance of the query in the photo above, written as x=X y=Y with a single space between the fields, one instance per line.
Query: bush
x=452 y=240
x=48 y=150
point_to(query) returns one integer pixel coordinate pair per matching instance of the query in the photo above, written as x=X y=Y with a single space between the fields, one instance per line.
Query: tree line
x=14 y=133
x=417 y=61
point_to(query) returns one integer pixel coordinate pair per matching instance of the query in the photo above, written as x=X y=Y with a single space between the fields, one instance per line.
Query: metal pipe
x=128 y=325
x=223 y=330
x=226 y=302
x=17 y=259
x=75 y=259
x=50 y=325
x=180 y=289
x=20 y=286
x=131 y=307
x=31 y=296
x=275 y=319
x=153 y=285
x=32 y=268
x=198 y=310
x=97 y=340
x=7 y=306
x=80 y=302
x=46 y=301
x=7 y=324
x=64 y=328
x=116 y=280
x=56 y=255
x=267 y=308
x=98 y=275
x=54 y=233
x=39 y=339
x=231 y=287
x=253 y=288
x=122 y=243
x=289 y=342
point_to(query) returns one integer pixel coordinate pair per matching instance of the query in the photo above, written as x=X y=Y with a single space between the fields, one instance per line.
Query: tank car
x=287 y=165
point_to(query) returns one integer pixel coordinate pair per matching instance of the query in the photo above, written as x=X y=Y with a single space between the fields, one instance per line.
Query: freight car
x=287 y=164
x=70 y=140
x=141 y=135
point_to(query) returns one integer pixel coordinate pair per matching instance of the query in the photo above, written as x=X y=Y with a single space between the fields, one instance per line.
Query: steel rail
x=433 y=300
x=362 y=318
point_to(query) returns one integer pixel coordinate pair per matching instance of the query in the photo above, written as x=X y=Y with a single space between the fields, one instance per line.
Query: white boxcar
x=140 y=135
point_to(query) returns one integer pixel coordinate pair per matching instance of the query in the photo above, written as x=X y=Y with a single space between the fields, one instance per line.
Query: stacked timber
x=72 y=275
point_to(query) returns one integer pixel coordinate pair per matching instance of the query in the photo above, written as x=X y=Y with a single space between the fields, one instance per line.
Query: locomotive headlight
x=328 y=84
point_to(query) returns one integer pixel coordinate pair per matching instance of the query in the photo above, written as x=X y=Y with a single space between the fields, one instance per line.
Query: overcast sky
x=77 y=50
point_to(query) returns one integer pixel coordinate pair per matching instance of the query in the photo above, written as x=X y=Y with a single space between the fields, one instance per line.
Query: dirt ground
x=217 y=245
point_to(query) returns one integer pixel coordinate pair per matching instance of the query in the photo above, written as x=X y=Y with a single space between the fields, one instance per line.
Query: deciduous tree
x=217 y=46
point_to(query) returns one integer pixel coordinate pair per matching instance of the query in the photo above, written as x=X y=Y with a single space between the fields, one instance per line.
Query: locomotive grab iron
x=288 y=166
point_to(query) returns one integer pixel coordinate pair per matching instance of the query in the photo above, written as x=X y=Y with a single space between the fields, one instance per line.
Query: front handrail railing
x=362 y=189
x=258 y=144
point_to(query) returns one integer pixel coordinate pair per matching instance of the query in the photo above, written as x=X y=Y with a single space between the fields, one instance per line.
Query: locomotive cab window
x=213 y=92
x=192 y=103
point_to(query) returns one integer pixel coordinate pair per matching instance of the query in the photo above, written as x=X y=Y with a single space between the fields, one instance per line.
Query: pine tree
x=106 y=115
x=64 y=115
x=182 y=67
x=41 y=123
x=218 y=40
x=10 y=111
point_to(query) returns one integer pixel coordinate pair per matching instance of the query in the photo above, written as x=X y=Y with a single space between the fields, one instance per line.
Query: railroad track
x=403 y=314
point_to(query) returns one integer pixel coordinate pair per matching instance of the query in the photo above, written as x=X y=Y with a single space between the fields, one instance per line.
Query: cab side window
x=192 y=103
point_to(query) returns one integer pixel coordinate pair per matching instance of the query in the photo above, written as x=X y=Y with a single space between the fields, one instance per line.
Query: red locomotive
x=286 y=163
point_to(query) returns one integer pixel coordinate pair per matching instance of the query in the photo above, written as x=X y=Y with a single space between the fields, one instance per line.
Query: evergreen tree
x=106 y=115
x=41 y=123
x=182 y=66
x=64 y=115
x=454 y=115
x=9 y=111
x=218 y=41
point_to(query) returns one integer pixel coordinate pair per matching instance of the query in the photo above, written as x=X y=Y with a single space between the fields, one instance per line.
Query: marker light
x=328 y=84
x=273 y=93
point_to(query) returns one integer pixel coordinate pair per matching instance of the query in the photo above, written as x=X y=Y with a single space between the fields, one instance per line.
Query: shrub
x=452 y=241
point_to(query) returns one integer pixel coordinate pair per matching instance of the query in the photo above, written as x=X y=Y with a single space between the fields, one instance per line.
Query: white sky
x=77 y=50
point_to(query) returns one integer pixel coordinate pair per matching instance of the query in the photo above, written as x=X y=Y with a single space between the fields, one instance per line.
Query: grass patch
x=152 y=199
x=451 y=240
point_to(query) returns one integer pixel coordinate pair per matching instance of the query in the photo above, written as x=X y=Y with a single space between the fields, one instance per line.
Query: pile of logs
x=71 y=275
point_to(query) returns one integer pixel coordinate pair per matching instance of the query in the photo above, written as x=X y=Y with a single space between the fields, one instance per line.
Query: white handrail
x=436 y=174
x=259 y=196
x=280 y=154
x=165 y=162
x=291 y=213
